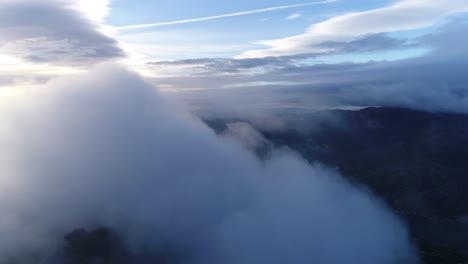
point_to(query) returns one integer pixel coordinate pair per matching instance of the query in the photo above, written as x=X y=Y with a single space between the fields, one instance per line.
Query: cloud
x=294 y=16
x=254 y=66
x=210 y=66
x=368 y=43
x=49 y=31
x=248 y=136
x=243 y=13
x=401 y=16
x=433 y=82
x=106 y=149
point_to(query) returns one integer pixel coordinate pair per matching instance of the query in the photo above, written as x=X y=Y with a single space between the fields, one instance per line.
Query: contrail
x=244 y=13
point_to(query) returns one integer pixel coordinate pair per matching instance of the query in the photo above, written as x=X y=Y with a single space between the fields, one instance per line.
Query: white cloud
x=294 y=16
x=108 y=150
x=401 y=16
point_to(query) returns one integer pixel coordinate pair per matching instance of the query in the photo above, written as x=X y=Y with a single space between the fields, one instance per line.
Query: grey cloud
x=435 y=82
x=105 y=149
x=208 y=66
x=368 y=43
x=51 y=32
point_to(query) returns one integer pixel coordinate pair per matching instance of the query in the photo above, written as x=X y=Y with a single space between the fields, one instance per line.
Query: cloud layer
x=104 y=148
x=435 y=81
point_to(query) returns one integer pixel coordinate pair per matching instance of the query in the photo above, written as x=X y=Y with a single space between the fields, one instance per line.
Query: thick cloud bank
x=105 y=149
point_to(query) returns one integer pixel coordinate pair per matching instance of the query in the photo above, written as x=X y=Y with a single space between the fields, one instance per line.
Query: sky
x=101 y=104
x=224 y=36
x=213 y=52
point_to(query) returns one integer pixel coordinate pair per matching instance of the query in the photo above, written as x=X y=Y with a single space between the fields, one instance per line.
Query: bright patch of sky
x=233 y=35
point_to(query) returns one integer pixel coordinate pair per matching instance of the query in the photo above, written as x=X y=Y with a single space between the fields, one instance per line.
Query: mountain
x=416 y=161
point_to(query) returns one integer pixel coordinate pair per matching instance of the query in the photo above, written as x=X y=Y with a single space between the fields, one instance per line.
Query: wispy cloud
x=243 y=13
x=294 y=16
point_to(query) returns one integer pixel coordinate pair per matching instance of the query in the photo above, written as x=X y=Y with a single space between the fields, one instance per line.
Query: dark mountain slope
x=416 y=161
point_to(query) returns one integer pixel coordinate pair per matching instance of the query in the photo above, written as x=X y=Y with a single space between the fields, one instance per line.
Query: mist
x=105 y=148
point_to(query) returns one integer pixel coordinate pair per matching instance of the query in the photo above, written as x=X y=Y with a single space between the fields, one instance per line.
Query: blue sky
x=227 y=37
x=126 y=12
x=233 y=36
